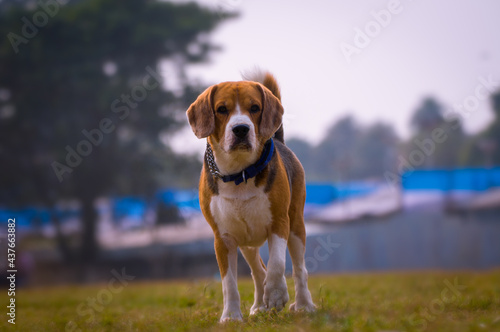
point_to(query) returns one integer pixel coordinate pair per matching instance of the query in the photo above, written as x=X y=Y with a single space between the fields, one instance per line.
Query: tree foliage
x=427 y=116
x=348 y=151
x=483 y=150
x=352 y=152
x=438 y=143
x=91 y=73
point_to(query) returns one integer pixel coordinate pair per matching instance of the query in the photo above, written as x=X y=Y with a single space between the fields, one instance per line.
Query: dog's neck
x=234 y=161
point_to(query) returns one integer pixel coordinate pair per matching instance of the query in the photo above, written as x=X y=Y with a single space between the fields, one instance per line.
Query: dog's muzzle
x=241 y=137
x=241 y=131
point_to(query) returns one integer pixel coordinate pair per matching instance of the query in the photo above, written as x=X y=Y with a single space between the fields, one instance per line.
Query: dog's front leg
x=275 y=290
x=226 y=251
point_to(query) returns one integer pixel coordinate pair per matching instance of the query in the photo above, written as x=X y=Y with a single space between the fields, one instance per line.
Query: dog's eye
x=254 y=109
x=222 y=110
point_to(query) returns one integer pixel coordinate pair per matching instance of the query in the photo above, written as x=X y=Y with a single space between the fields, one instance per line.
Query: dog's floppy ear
x=272 y=113
x=201 y=115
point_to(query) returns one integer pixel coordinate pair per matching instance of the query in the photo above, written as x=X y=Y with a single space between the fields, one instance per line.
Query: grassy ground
x=420 y=301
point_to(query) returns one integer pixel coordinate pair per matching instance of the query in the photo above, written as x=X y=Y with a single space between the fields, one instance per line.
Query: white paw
x=256 y=308
x=276 y=294
x=231 y=316
x=307 y=307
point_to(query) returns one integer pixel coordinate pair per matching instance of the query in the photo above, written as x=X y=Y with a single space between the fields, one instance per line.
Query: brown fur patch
x=271 y=83
x=272 y=113
x=279 y=197
x=206 y=194
x=201 y=115
x=271 y=176
x=296 y=211
x=221 y=253
x=268 y=175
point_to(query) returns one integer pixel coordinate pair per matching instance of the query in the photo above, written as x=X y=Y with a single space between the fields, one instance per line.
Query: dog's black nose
x=241 y=131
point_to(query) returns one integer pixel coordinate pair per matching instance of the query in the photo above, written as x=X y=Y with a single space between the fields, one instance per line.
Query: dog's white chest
x=243 y=212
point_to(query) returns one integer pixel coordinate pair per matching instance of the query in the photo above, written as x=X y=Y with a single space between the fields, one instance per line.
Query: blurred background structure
x=99 y=167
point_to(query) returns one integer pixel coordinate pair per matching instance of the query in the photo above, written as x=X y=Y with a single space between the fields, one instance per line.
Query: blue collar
x=249 y=172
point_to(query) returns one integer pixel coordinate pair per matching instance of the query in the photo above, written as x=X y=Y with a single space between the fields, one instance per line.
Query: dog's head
x=238 y=116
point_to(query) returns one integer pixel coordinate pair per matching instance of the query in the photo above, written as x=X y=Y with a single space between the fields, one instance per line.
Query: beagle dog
x=252 y=189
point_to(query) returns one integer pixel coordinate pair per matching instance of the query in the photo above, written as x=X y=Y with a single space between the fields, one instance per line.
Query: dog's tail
x=269 y=81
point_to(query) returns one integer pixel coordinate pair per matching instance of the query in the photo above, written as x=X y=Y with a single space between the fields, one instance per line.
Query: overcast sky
x=426 y=48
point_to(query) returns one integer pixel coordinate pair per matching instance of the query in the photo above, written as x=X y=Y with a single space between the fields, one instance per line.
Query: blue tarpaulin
x=318 y=194
x=325 y=193
x=470 y=179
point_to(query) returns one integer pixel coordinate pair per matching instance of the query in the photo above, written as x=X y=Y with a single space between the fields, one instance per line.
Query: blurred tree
x=376 y=151
x=335 y=153
x=427 y=116
x=435 y=143
x=483 y=150
x=305 y=152
x=348 y=152
x=82 y=104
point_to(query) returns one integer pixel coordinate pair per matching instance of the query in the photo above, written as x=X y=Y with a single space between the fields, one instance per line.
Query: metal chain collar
x=209 y=156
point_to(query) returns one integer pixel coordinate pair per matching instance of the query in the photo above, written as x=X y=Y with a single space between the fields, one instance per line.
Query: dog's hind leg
x=303 y=299
x=252 y=256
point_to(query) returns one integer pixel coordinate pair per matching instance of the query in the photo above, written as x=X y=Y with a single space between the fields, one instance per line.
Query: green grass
x=361 y=302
